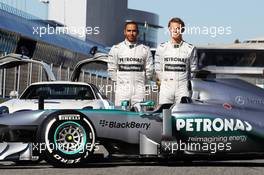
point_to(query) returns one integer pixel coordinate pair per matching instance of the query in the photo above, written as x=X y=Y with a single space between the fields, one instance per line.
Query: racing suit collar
x=129 y=44
x=176 y=45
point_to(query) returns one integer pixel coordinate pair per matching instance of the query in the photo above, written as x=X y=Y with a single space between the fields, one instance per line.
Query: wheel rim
x=70 y=138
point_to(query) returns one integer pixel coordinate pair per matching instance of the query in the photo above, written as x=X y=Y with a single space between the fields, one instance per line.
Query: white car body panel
x=18 y=104
x=15 y=105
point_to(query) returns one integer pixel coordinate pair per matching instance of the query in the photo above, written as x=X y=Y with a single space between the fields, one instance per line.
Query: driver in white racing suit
x=174 y=61
x=130 y=65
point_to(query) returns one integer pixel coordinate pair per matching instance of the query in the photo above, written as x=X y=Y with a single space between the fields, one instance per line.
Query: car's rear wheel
x=68 y=138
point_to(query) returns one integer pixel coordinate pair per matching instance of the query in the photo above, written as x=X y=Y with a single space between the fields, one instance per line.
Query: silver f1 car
x=223 y=120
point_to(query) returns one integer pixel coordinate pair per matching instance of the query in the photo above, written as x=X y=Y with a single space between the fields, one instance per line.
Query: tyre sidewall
x=49 y=129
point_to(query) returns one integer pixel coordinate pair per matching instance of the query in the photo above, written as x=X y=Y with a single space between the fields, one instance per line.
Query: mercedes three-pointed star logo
x=240 y=100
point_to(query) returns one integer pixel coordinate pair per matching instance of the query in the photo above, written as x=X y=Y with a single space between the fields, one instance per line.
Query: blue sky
x=232 y=18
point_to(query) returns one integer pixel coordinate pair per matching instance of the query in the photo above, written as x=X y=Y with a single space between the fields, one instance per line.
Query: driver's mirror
x=125 y=104
x=148 y=103
x=13 y=94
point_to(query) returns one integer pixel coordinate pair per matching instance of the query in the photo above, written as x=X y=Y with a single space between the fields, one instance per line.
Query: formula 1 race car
x=223 y=120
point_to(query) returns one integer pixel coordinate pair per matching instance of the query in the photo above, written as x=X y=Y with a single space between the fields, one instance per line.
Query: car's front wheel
x=68 y=138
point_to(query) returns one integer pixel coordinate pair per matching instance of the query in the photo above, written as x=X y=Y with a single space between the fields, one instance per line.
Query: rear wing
x=14 y=60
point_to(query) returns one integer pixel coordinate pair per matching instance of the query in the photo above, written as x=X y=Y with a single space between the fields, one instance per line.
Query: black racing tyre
x=68 y=138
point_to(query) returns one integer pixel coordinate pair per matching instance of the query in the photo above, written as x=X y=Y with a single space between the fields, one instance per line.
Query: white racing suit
x=173 y=66
x=130 y=66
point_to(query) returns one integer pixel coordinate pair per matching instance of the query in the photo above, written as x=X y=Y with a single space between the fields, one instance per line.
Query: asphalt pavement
x=255 y=167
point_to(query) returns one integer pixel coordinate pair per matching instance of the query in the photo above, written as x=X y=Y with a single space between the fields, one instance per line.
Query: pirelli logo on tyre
x=69 y=117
